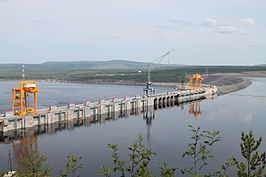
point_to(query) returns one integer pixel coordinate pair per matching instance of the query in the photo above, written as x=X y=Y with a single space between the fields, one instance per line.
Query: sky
x=211 y=32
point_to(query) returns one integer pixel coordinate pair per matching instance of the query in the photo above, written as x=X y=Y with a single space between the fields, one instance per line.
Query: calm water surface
x=167 y=134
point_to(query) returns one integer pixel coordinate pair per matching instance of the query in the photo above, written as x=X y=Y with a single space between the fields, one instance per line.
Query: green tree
x=224 y=168
x=200 y=149
x=137 y=165
x=167 y=171
x=33 y=162
x=255 y=162
x=72 y=164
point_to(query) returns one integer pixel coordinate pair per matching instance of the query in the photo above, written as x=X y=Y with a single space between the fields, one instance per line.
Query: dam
x=101 y=109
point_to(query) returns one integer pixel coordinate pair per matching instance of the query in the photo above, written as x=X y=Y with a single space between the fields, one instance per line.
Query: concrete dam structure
x=100 y=110
x=148 y=116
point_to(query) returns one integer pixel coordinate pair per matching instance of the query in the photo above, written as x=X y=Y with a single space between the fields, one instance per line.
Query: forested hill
x=76 y=65
x=137 y=75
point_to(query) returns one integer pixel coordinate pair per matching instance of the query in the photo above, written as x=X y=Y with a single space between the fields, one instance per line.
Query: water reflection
x=195 y=109
x=20 y=138
x=22 y=148
x=148 y=116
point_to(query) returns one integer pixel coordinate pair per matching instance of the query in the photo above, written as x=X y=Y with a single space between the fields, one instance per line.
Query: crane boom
x=148 y=89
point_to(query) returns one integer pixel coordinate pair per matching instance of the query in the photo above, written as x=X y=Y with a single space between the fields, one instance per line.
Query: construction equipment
x=195 y=82
x=148 y=89
x=21 y=104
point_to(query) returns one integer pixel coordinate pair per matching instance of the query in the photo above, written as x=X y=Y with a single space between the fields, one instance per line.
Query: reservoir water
x=167 y=132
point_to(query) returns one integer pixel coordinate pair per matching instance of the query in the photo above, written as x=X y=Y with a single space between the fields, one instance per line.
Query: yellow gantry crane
x=21 y=104
x=195 y=82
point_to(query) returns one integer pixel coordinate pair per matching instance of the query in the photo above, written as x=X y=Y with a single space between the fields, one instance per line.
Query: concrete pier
x=101 y=110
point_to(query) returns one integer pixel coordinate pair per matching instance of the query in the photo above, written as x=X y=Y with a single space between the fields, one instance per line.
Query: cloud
x=115 y=36
x=209 y=22
x=41 y=21
x=247 y=21
x=257 y=46
x=166 y=27
x=225 y=29
x=182 y=22
x=243 y=33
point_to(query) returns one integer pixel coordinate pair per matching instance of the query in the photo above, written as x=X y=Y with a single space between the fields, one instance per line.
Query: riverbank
x=226 y=83
x=243 y=74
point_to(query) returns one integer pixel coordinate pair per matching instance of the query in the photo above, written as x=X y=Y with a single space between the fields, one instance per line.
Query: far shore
x=243 y=74
x=222 y=83
x=102 y=82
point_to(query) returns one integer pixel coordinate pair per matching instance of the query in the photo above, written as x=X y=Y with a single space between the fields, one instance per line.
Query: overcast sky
x=200 y=31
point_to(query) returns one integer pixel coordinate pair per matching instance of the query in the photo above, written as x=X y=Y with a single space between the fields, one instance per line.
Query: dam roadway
x=100 y=110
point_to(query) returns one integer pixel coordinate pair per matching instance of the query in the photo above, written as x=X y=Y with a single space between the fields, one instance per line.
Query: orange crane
x=195 y=82
x=21 y=98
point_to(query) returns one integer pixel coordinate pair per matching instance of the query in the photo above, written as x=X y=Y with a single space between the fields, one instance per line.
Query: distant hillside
x=55 y=66
x=83 y=72
x=261 y=65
